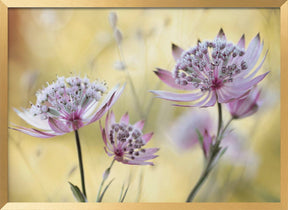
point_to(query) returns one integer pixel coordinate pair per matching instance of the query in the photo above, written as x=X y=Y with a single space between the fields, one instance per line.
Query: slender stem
x=214 y=152
x=128 y=76
x=219 y=118
x=80 y=162
x=104 y=179
x=199 y=183
x=226 y=126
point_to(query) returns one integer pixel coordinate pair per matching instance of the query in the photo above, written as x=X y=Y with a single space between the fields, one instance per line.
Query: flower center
x=216 y=84
x=126 y=140
x=67 y=98
x=209 y=65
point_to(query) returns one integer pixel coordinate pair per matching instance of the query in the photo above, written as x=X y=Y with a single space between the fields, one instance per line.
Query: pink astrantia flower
x=246 y=106
x=125 y=141
x=67 y=105
x=184 y=130
x=215 y=71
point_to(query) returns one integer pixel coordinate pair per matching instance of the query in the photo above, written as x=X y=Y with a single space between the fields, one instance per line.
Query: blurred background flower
x=60 y=41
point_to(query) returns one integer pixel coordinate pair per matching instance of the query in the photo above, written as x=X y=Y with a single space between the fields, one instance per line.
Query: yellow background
x=46 y=43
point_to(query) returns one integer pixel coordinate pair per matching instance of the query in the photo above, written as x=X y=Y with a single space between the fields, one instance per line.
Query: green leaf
x=121 y=193
x=223 y=152
x=77 y=193
x=104 y=191
x=123 y=198
x=200 y=137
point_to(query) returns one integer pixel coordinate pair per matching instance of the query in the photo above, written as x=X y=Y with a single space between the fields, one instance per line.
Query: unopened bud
x=113 y=19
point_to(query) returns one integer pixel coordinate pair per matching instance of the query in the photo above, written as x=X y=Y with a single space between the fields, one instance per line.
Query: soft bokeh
x=44 y=43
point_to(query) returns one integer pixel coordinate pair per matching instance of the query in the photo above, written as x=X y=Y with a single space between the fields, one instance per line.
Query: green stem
x=226 y=126
x=219 y=118
x=135 y=95
x=80 y=162
x=103 y=180
x=214 y=152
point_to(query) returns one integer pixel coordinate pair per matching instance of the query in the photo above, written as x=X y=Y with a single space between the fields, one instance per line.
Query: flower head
x=125 y=141
x=67 y=105
x=246 y=106
x=184 y=131
x=215 y=70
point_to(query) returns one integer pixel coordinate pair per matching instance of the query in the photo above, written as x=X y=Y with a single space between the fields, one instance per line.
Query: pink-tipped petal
x=98 y=114
x=118 y=93
x=250 y=76
x=207 y=141
x=167 y=78
x=151 y=151
x=35 y=121
x=211 y=101
x=112 y=118
x=103 y=133
x=146 y=137
x=221 y=35
x=248 y=85
x=107 y=152
x=241 y=42
x=145 y=157
x=177 y=96
x=253 y=47
x=125 y=118
x=176 y=51
x=135 y=162
x=139 y=124
x=34 y=132
x=252 y=60
x=58 y=126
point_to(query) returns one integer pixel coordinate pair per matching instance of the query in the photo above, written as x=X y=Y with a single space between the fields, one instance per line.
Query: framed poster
x=87 y=91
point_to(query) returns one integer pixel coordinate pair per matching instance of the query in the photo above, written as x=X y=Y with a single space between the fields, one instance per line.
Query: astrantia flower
x=184 y=129
x=125 y=141
x=214 y=71
x=246 y=106
x=67 y=105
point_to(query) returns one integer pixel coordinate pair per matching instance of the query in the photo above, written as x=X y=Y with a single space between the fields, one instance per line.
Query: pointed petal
x=252 y=60
x=103 y=133
x=117 y=94
x=35 y=121
x=258 y=67
x=125 y=118
x=110 y=120
x=177 y=96
x=176 y=51
x=145 y=157
x=34 y=132
x=89 y=110
x=58 y=126
x=227 y=94
x=98 y=114
x=139 y=124
x=207 y=140
x=209 y=99
x=248 y=85
x=253 y=50
x=151 y=150
x=146 y=137
x=107 y=152
x=135 y=162
x=241 y=42
x=221 y=35
x=167 y=78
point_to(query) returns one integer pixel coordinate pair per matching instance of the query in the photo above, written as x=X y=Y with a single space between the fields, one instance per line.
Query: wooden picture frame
x=5 y=5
